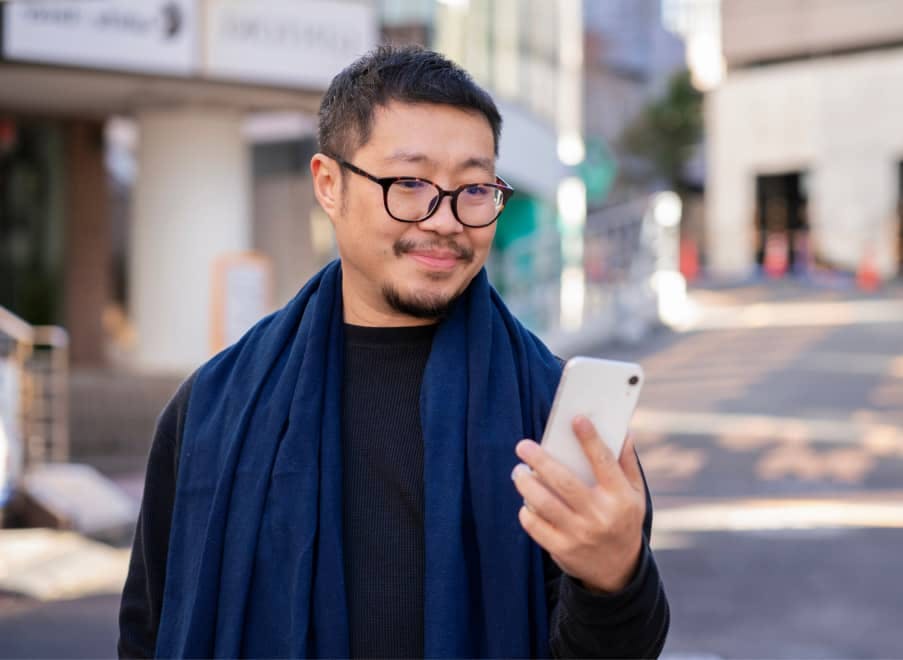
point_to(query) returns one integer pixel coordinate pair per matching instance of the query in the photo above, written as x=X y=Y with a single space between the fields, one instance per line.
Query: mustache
x=403 y=246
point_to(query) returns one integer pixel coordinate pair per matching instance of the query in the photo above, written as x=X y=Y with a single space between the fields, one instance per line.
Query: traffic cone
x=775 y=261
x=689 y=259
x=867 y=277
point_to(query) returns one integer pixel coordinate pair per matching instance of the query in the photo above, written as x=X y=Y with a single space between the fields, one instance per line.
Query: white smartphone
x=604 y=391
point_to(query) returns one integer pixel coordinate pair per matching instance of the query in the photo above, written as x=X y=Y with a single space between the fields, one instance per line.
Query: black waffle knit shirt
x=382 y=458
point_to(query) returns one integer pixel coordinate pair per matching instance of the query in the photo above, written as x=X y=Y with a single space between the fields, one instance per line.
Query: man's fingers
x=603 y=461
x=541 y=531
x=540 y=499
x=554 y=475
x=631 y=465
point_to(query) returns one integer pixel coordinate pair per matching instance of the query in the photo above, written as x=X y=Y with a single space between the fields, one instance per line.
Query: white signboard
x=148 y=36
x=301 y=43
x=242 y=295
x=247 y=301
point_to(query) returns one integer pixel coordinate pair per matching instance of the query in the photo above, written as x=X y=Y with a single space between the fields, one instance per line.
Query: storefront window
x=31 y=231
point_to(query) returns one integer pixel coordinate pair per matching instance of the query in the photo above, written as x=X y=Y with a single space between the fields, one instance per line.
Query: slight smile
x=436 y=260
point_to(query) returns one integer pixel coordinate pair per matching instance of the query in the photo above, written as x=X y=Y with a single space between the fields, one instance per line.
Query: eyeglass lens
x=414 y=200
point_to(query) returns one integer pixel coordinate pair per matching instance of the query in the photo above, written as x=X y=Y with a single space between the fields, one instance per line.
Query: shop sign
x=297 y=43
x=151 y=36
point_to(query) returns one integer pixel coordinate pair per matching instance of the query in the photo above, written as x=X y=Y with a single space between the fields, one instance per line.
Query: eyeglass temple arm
x=357 y=170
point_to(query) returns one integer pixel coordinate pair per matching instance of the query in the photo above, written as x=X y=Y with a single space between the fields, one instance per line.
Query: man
x=337 y=483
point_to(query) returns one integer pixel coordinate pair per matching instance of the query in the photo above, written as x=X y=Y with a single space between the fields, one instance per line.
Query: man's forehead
x=435 y=136
x=419 y=157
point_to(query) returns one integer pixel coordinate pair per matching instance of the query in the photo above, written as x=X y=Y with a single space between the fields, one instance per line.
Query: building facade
x=805 y=152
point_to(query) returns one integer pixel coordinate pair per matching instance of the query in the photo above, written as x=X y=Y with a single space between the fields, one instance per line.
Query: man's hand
x=594 y=533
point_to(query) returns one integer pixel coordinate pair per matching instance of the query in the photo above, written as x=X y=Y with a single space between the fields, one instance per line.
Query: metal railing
x=620 y=252
x=34 y=388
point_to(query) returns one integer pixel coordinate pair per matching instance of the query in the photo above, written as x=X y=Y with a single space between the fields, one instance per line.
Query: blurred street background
x=713 y=188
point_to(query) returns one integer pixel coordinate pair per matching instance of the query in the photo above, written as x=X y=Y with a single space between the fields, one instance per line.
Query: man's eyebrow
x=486 y=164
x=408 y=157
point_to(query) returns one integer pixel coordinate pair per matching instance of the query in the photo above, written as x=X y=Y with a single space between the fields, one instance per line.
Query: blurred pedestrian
x=337 y=483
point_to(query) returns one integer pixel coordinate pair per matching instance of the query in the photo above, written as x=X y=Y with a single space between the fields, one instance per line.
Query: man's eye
x=477 y=191
x=411 y=185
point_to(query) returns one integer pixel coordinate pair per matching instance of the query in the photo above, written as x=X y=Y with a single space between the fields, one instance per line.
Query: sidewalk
x=47 y=565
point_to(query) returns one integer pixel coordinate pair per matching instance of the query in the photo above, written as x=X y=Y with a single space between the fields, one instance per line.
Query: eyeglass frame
x=386 y=182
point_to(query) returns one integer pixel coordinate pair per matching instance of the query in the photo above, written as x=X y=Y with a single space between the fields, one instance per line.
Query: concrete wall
x=756 y=30
x=839 y=118
x=282 y=206
x=191 y=205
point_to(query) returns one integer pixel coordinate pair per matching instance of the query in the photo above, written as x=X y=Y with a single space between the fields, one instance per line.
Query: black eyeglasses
x=412 y=199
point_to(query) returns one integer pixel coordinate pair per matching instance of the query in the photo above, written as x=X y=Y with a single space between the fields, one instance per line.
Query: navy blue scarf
x=255 y=557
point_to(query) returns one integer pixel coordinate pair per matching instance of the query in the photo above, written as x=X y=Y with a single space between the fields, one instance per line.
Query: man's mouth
x=435 y=257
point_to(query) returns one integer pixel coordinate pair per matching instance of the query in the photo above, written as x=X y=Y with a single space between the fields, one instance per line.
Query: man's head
x=407 y=112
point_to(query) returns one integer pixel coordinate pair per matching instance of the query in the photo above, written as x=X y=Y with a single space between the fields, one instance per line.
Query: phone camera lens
x=634 y=380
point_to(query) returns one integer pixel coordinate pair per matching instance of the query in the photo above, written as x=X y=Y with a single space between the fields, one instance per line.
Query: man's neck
x=377 y=320
x=360 y=312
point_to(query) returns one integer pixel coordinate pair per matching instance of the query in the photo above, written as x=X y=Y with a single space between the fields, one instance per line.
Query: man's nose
x=443 y=221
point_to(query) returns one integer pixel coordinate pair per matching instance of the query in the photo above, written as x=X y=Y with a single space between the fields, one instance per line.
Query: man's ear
x=327 y=177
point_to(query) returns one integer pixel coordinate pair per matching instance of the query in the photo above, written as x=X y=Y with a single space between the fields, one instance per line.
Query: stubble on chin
x=419 y=306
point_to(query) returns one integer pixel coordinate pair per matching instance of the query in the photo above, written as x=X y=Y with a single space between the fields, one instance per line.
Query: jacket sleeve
x=142 y=597
x=632 y=623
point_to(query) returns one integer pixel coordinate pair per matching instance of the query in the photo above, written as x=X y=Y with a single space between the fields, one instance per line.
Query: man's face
x=397 y=273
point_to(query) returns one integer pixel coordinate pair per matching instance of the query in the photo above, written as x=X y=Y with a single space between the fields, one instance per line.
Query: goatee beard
x=419 y=307
x=425 y=307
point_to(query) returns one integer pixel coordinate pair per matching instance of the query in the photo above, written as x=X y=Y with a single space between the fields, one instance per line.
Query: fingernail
x=582 y=424
x=525 y=448
x=518 y=469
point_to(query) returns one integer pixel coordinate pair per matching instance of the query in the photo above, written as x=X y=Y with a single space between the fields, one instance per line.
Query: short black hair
x=409 y=74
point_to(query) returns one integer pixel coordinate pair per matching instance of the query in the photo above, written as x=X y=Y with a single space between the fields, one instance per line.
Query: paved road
x=82 y=628
x=773 y=443
x=772 y=436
